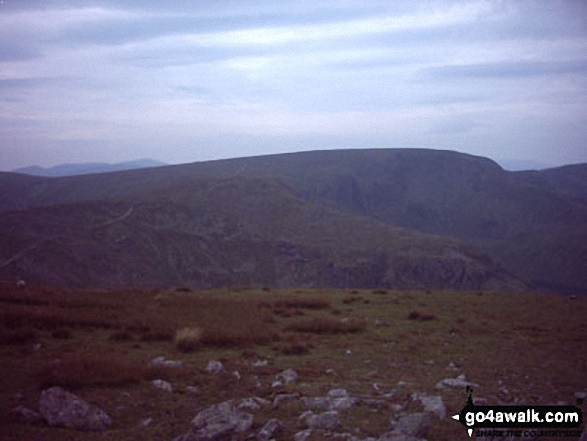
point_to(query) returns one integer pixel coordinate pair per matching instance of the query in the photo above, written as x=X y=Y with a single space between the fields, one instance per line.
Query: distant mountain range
x=390 y=218
x=87 y=168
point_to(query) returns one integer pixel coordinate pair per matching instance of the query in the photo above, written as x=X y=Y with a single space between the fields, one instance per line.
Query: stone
x=26 y=415
x=214 y=367
x=381 y=323
x=161 y=362
x=260 y=363
x=62 y=408
x=432 y=404
x=302 y=435
x=288 y=376
x=192 y=390
x=412 y=424
x=270 y=429
x=146 y=422
x=396 y=436
x=283 y=397
x=460 y=381
x=224 y=413
x=316 y=402
x=164 y=385
x=375 y=403
x=252 y=403
x=339 y=399
x=326 y=420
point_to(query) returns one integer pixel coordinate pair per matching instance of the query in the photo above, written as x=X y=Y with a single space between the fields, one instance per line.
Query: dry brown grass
x=17 y=337
x=327 y=325
x=303 y=302
x=188 y=339
x=421 y=316
x=101 y=368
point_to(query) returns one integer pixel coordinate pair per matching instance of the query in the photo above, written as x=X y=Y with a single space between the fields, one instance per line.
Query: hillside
x=533 y=224
x=225 y=232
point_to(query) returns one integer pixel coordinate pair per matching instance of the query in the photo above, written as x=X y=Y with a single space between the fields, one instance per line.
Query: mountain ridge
x=532 y=224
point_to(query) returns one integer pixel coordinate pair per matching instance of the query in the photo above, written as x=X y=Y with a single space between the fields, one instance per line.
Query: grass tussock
x=62 y=334
x=157 y=336
x=328 y=325
x=302 y=302
x=17 y=337
x=421 y=316
x=188 y=339
x=351 y=299
x=120 y=336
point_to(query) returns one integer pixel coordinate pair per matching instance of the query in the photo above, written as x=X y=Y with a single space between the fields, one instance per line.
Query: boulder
x=62 y=408
x=161 y=362
x=284 y=397
x=339 y=399
x=432 y=404
x=302 y=435
x=326 y=420
x=270 y=429
x=412 y=424
x=288 y=376
x=316 y=402
x=218 y=422
x=252 y=403
x=162 y=384
x=214 y=367
x=460 y=381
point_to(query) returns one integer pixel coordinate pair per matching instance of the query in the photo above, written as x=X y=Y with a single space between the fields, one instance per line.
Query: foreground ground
x=378 y=345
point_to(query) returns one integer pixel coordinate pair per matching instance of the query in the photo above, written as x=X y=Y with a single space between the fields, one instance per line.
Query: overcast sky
x=184 y=81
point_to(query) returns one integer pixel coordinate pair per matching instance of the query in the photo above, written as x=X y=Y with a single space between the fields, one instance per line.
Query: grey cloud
x=507 y=69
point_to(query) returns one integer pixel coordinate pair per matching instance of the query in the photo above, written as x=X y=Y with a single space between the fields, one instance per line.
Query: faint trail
x=118 y=219
x=32 y=247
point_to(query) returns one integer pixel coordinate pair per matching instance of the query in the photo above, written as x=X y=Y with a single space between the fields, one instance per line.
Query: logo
x=540 y=418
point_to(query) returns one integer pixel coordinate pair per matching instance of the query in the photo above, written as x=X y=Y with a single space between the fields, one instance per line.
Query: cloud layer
x=183 y=81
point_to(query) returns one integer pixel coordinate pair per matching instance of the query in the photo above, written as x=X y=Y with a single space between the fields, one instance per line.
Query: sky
x=184 y=81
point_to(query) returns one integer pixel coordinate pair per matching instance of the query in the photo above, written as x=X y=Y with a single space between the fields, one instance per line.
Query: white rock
x=288 y=376
x=61 y=408
x=162 y=384
x=161 y=362
x=214 y=367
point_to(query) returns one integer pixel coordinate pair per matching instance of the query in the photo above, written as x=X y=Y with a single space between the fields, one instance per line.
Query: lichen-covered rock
x=62 y=408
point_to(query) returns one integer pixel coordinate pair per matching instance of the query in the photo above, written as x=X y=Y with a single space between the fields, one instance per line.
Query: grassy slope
x=523 y=348
x=230 y=231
